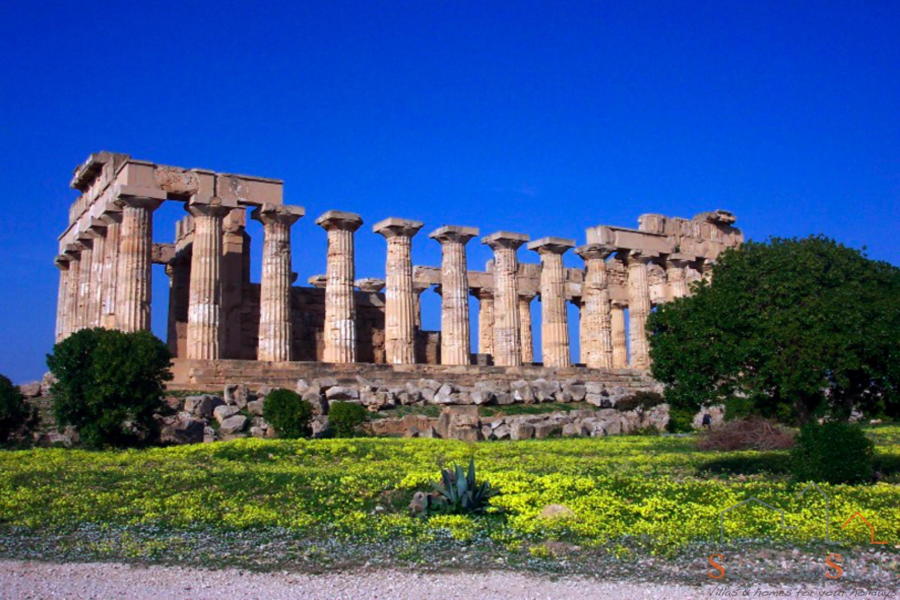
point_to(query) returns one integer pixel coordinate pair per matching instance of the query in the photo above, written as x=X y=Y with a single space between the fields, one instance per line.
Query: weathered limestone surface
x=204 y=326
x=525 y=324
x=485 y=320
x=675 y=276
x=95 y=301
x=638 y=308
x=596 y=312
x=73 y=251
x=113 y=221
x=507 y=327
x=455 y=325
x=133 y=279
x=340 y=311
x=619 y=341
x=400 y=310
x=275 y=323
x=554 y=321
x=85 y=310
x=62 y=263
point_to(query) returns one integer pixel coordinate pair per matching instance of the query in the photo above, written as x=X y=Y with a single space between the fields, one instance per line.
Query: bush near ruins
x=798 y=328
x=288 y=413
x=834 y=452
x=109 y=385
x=345 y=418
x=17 y=417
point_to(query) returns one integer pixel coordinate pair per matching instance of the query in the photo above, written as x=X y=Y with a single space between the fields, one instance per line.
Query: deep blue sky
x=540 y=117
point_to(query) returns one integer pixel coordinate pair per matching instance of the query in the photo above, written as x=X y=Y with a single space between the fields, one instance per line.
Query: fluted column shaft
x=554 y=318
x=62 y=263
x=455 y=326
x=340 y=307
x=133 y=279
x=401 y=305
x=507 y=324
x=485 y=321
x=275 y=321
x=638 y=310
x=675 y=278
x=204 y=326
x=84 y=283
x=97 y=272
x=619 y=341
x=73 y=286
x=109 y=277
x=525 y=324
x=596 y=316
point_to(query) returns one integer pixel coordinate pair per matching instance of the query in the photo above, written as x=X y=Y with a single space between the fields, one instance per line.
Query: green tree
x=288 y=413
x=109 y=385
x=17 y=417
x=787 y=329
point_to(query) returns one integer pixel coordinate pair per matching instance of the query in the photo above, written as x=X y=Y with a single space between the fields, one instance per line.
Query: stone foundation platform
x=213 y=375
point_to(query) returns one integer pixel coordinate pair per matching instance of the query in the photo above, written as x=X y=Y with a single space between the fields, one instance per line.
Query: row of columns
x=105 y=281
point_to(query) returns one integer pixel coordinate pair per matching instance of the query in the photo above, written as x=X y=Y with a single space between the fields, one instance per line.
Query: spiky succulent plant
x=459 y=493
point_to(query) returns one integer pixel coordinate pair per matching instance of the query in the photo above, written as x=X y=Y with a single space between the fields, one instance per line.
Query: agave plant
x=459 y=493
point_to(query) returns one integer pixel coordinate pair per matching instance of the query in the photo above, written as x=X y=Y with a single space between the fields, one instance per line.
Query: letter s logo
x=830 y=563
x=716 y=566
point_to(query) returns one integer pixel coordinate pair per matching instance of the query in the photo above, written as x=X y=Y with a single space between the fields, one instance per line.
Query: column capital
x=277 y=213
x=482 y=293
x=618 y=303
x=86 y=237
x=372 y=285
x=318 y=281
x=453 y=233
x=504 y=239
x=640 y=256
x=595 y=251
x=551 y=245
x=137 y=196
x=338 y=219
x=394 y=227
x=110 y=217
x=210 y=207
x=529 y=296
x=73 y=249
x=61 y=261
x=680 y=260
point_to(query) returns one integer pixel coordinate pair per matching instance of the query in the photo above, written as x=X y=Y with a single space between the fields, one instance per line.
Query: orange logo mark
x=831 y=563
x=869 y=525
x=716 y=566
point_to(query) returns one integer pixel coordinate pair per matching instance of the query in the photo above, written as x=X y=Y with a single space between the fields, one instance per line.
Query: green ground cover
x=645 y=494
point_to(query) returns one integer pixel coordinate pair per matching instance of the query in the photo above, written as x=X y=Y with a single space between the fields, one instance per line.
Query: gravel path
x=37 y=580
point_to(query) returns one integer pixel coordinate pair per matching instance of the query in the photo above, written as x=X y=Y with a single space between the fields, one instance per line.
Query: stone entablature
x=216 y=312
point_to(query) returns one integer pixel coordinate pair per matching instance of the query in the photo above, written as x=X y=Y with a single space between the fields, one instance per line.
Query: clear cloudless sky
x=539 y=117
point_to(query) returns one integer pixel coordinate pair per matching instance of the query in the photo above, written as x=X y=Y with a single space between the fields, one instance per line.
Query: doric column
x=73 y=288
x=638 y=308
x=109 y=279
x=62 y=262
x=525 y=326
x=507 y=326
x=204 y=326
x=98 y=228
x=133 y=279
x=706 y=269
x=275 y=322
x=554 y=320
x=454 y=293
x=85 y=310
x=596 y=318
x=675 y=276
x=485 y=320
x=400 y=297
x=619 y=341
x=340 y=309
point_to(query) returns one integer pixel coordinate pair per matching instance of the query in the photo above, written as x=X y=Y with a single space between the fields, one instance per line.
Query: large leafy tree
x=789 y=329
x=109 y=385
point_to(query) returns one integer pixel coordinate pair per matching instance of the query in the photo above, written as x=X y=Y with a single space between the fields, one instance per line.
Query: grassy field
x=328 y=503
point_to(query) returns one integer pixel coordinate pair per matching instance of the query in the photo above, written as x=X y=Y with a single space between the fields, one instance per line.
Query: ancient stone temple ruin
x=223 y=327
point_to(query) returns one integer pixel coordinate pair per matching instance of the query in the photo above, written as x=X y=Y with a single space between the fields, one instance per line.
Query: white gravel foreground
x=101 y=581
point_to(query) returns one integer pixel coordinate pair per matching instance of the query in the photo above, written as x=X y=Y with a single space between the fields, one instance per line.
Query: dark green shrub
x=681 y=420
x=459 y=493
x=17 y=417
x=288 y=413
x=109 y=385
x=834 y=452
x=640 y=400
x=345 y=418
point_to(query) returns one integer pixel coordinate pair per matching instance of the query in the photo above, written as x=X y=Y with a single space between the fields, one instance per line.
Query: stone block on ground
x=224 y=411
x=232 y=425
x=202 y=406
